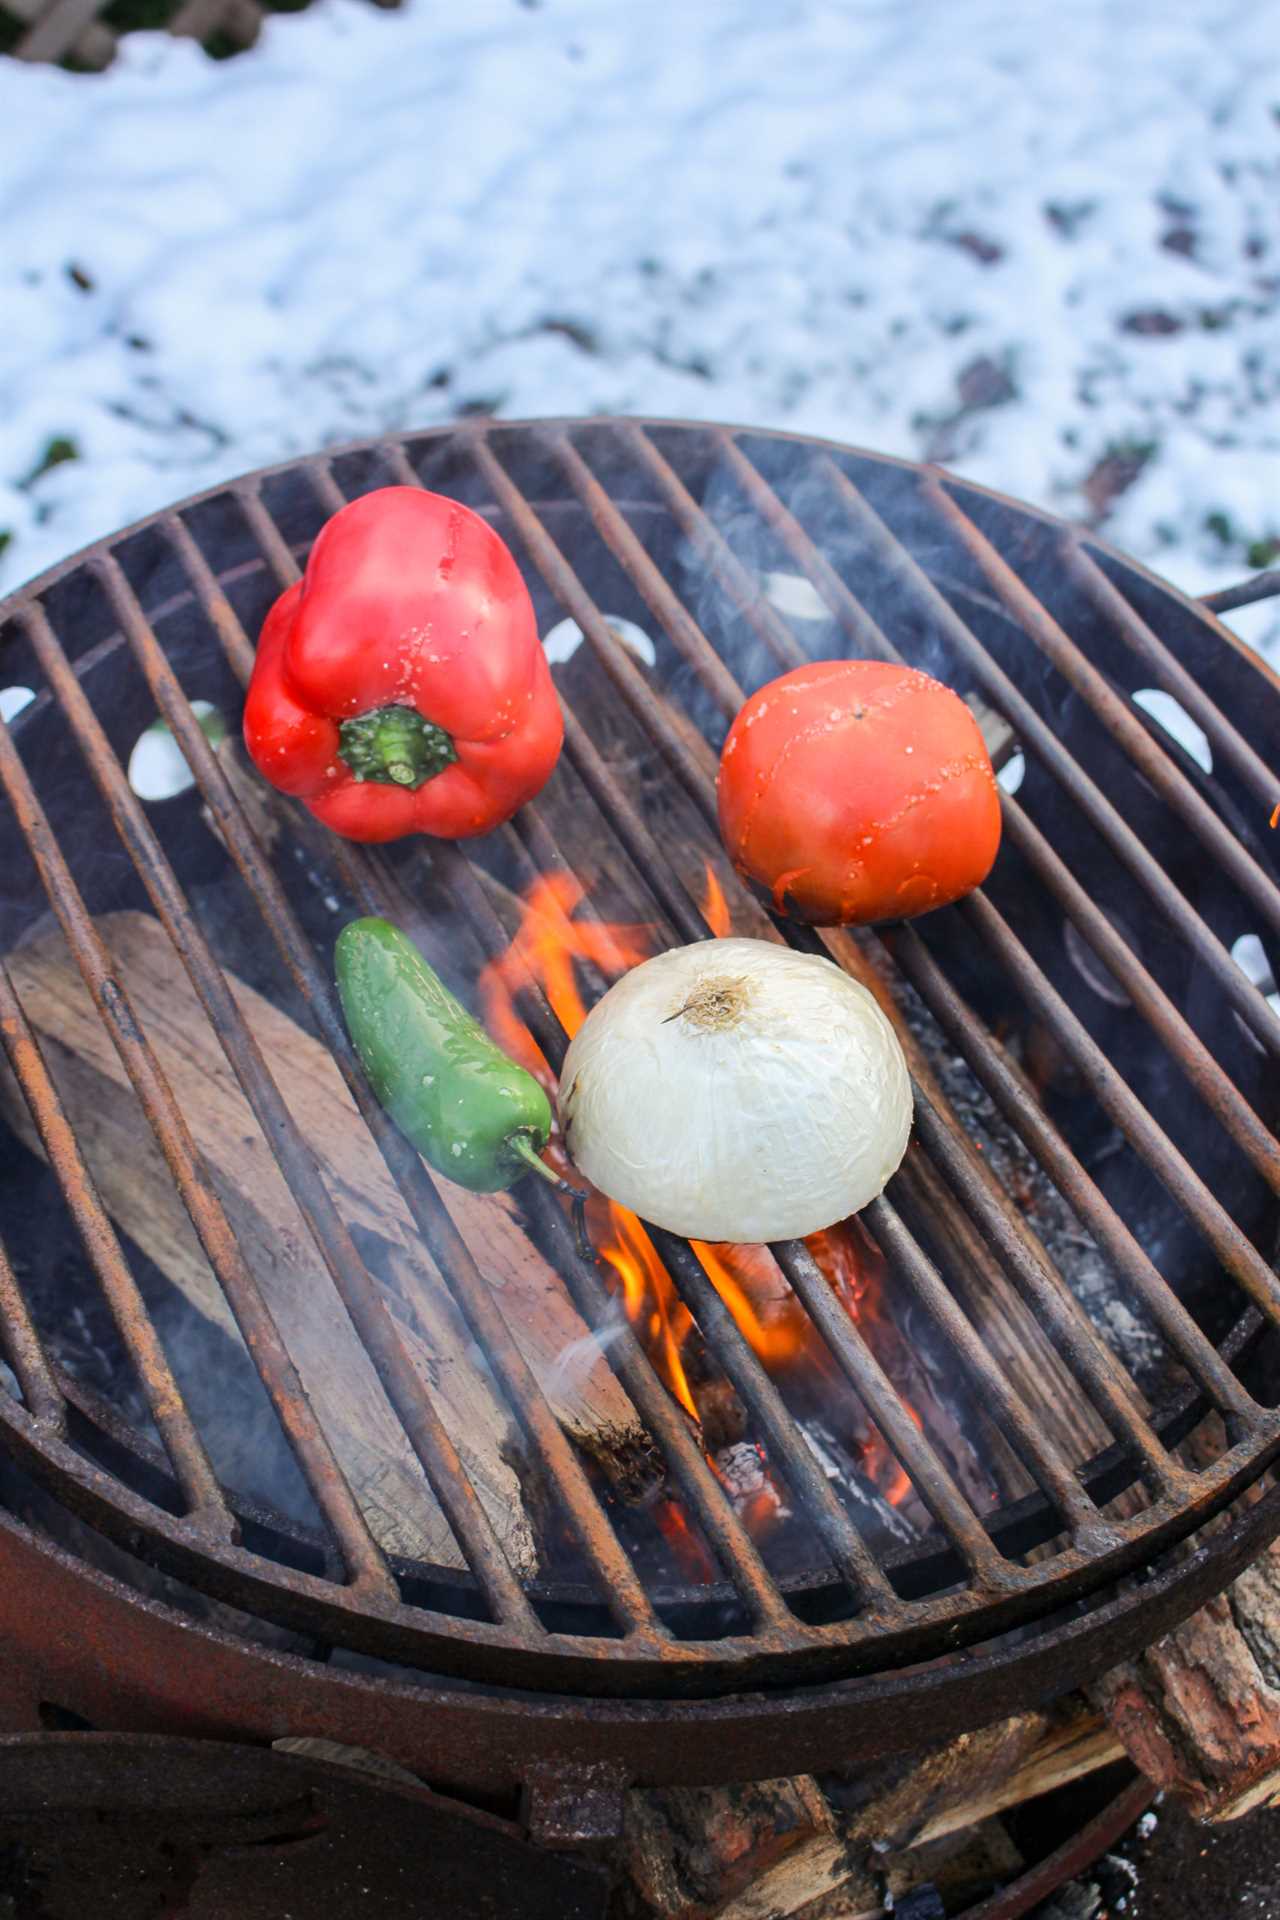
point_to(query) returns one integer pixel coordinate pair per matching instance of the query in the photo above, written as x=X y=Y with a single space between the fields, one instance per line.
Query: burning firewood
x=340 y=1380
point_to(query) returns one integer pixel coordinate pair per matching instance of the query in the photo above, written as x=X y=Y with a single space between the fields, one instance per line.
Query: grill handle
x=1260 y=587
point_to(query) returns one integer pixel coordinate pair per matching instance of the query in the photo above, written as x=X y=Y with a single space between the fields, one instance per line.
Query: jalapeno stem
x=522 y=1146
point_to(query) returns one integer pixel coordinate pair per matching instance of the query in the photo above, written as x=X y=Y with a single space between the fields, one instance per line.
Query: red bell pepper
x=400 y=686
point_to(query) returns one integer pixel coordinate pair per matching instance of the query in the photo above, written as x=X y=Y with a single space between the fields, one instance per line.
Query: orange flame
x=547 y=943
x=715 y=908
x=650 y=1302
x=880 y=1465
x=545 y=953
x=777 y=1328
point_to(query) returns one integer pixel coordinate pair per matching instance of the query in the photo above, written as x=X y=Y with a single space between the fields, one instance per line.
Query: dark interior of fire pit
x=462 y=931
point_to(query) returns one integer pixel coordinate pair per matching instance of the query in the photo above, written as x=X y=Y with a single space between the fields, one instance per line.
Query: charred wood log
x=139 y=1193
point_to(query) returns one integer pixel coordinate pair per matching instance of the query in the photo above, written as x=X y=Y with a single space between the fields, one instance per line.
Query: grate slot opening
x=1092 y=574
x=1113 y=722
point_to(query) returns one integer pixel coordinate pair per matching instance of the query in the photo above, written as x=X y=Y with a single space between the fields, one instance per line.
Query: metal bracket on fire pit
x=577 y=1808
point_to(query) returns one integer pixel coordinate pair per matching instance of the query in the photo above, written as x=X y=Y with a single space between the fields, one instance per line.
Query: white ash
x=1068 y=1243
x=746 y=1475
x=829 y=1455
x=1126 y=1868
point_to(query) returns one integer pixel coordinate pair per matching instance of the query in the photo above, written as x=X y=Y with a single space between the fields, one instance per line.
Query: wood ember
x=344 y=1389
x=748 y=1482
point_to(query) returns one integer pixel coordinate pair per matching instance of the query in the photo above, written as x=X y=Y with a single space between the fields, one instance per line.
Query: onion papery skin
x=736 y=1090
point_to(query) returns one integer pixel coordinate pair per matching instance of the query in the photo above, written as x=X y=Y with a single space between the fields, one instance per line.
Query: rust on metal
x=26 y=1355
x=1026 y=1115
x=206 y=1505
x=1210 y=1080
x=964 y=1580
x=1036 y=735
x=329 y=1231
x=1085 y=1348
x=333 y=1493
x=139 y=1666
x=1263 y=586
x=1124 y=620
x=1030 y=1889
x=1116 y=715
x=1233 y=1248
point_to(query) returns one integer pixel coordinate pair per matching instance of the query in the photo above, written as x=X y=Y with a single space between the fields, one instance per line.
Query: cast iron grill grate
x=1113 y=830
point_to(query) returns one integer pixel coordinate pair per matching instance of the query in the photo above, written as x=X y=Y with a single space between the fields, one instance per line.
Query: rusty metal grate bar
x=333 y=1495
x=1173 y=677
x=1089 y=1353
x=864 y=630
x=708 y=542
x=1215 y=1086
x=1052 y=1296
x=849 y=1553
x=426 y=1432
x=23 y=1349
x=1181 y=1180
x=1233 y=1249
x=724 y=1338
x=1186 y=1048
x=206 y=1506
x=1115 y=715
x=975 y=1585
x=1192 y=1346
x=1263 y=586
x=732 y=1545
x=862 y=1370
x=623 y=1591
x=933 y=1482
x=1083 y=791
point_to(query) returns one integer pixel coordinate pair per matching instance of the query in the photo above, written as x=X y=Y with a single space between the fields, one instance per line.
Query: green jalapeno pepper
x=471 y=1112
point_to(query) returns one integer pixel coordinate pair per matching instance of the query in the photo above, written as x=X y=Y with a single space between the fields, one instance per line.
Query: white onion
x=734 y=1090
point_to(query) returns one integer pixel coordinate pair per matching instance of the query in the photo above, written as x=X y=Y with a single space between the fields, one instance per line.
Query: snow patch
x=1045 y=258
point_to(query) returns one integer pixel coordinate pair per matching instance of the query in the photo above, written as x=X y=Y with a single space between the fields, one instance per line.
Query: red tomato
x=853 y=791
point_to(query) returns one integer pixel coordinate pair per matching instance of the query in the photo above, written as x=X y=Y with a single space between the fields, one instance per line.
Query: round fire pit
x=691 y=1512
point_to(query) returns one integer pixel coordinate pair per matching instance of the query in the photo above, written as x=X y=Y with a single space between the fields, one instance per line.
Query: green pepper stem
x=395 y=746
x=522 y=1146
x=524 y=1149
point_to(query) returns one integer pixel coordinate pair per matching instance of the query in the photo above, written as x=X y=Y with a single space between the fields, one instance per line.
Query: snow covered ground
x=1038 y=242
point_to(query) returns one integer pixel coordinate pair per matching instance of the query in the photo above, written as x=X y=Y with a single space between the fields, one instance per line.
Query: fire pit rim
x=31 y=591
